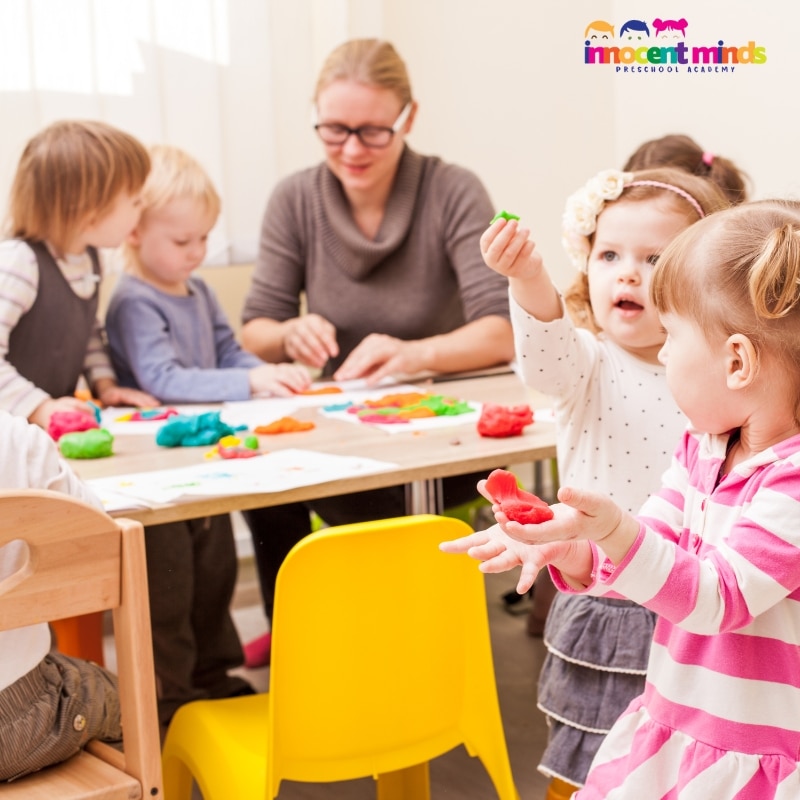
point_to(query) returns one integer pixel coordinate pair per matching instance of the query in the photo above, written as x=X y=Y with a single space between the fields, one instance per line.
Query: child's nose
x=629 y=271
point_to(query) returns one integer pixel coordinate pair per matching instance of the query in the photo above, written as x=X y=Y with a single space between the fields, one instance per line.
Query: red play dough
x=62 y=422
x=500 y=421
x=516 y=503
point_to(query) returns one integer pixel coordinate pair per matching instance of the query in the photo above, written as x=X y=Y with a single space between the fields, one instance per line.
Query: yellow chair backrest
x=381 y=661
x=76 y=560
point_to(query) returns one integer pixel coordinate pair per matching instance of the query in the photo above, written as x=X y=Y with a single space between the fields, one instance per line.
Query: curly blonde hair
x=708 y=196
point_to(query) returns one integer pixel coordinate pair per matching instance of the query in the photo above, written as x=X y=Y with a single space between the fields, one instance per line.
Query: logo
x=664 y=45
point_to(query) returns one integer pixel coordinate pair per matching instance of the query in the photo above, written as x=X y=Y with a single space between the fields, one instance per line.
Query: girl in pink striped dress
x=716 y=553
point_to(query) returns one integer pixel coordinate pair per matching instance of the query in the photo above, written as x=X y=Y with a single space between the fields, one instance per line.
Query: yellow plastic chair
x=385 y=665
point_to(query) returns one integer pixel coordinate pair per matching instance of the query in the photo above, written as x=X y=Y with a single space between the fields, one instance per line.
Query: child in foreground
x=168 y=335
x=76 y=189
x=50 y=705
x=616 y=422
x=716 y=552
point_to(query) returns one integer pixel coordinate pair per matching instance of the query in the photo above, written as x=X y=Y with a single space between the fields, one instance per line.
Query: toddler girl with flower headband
x=617 y=424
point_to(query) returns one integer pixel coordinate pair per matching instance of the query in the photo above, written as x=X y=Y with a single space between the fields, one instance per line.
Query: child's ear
x=88 y=223
x=133 y=238
x=741 y=361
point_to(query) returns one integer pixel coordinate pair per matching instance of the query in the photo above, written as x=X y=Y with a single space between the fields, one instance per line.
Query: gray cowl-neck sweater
x=421 y=276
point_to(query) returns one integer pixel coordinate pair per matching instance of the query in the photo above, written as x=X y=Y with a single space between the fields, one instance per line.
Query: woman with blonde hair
x=383 y=242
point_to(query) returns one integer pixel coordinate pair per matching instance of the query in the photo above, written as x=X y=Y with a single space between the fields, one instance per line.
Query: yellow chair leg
x=178 y=780
x=559 y=790
x=412 y=783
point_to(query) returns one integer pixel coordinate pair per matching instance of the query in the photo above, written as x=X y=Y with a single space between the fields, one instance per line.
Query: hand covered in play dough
x=517 y=504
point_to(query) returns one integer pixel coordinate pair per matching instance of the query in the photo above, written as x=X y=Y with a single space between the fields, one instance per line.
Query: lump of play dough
x=93 y=443
x=193 y=430
x=284 y=425
x=517 y=504
x=62 y=422
x=402 y=407
x=499 y=421
x=503 y=215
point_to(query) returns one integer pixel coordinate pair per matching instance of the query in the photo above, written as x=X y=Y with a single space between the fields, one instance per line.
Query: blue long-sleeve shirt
x=179 y=349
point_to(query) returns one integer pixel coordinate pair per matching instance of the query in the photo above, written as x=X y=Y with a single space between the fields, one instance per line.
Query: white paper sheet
x=271 y=472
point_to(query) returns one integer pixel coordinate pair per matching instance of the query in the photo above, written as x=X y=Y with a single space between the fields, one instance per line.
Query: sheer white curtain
x=195 y=73
x=228 y=80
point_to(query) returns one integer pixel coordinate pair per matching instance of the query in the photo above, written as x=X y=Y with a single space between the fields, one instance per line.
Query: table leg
x=545 y=479
x=424 y=497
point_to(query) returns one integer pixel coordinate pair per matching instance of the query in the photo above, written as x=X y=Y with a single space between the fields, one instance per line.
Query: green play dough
x=95 y=443
x=503 y=215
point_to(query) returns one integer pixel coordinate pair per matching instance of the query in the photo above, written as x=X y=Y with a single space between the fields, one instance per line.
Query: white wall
x=491 y=85
x=502 y=89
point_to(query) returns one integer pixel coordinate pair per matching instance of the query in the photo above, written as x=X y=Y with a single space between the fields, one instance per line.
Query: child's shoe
x=257 y=653
x=516 y=603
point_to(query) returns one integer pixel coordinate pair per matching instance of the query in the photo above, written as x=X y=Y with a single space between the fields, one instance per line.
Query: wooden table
x=422 y=458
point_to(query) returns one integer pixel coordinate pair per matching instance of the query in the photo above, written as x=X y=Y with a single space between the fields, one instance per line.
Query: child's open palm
x=498 y=552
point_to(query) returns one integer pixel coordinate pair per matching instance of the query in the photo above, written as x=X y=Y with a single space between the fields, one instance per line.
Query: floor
x=454 y=776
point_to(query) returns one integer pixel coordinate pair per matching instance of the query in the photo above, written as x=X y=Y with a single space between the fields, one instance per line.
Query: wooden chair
x=384 y=666
x=79 y=561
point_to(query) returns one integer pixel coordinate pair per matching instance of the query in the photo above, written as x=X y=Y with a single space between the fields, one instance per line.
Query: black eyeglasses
x=368 y=135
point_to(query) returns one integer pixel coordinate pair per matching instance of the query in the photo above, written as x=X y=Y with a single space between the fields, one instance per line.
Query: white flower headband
x=584 y=206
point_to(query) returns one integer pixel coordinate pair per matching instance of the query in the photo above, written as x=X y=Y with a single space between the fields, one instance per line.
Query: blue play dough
x=194 y=430
x=338 y=406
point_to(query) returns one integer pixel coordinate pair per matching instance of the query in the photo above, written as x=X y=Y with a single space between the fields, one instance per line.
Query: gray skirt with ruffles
x=597 y=651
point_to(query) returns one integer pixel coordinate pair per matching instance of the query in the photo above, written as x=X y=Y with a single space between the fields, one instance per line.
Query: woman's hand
x=112 y=395
x=498 y=552
x=378 y=356
x=279 y=380
x=506 y=249
x=310 y=339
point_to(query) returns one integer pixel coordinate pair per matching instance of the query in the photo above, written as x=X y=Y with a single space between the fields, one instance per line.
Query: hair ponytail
x=774 y=279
